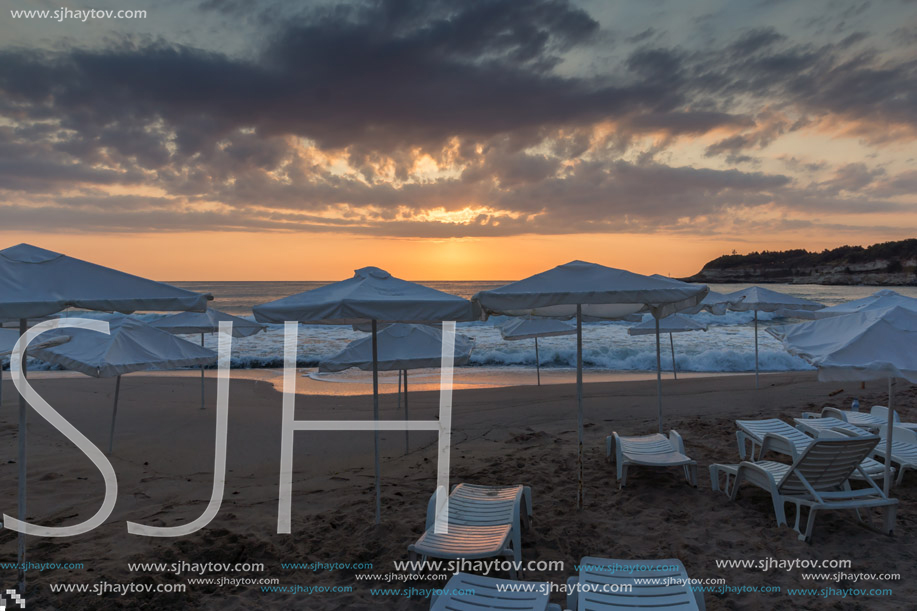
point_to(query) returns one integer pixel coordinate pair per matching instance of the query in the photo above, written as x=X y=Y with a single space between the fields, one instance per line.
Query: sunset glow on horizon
x=471 y=141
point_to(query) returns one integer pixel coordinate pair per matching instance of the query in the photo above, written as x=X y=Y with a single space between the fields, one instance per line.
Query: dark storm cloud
x=478 y=86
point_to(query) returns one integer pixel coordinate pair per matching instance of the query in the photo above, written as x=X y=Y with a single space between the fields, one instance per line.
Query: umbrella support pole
x=114 y=414
x=658 y=376
x=202 y=376
x=579 y=402
x=674 y=368
x=756 y=348
x=537 y=362
x=23 y=414
x=406 y=431
x=376 y=418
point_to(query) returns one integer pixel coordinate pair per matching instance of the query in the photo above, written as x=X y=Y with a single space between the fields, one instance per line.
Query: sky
x=444 y=140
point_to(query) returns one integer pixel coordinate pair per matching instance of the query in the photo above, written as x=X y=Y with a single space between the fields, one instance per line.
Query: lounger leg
x=900 y=475
x=736 y=481
x=622 y=475
x=608 y=448
x=515 y=558
x=810 y=525
x=890 y=512
x=779 y=509
x=527 y=514
x=740 y=439
x=714 y=478
x=693 y=471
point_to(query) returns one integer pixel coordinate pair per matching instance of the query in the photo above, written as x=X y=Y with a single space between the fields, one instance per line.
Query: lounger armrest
x=833 y=412
x=431 y=512
x=779 y=444
x=572 y=593
x=750 y=466
x=677 y=441
x=618 y=450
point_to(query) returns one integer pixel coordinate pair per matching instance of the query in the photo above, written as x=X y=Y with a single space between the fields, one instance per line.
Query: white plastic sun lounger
x=775 y=435
x=466 y=592
x=650 y=451
x=870 y=421
x=817 y=480
x=816 y=426
x=598 y=586
x=881 y=412
x=904 y=449
x=484 y=521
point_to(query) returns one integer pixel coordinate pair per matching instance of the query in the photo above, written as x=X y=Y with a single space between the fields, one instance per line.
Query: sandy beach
x=164 y=459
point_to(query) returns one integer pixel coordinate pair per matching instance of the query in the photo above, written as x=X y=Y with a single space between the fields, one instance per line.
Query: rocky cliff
x=886 y=264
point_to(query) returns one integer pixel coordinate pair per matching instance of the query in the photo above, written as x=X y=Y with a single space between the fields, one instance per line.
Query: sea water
x=726 y=347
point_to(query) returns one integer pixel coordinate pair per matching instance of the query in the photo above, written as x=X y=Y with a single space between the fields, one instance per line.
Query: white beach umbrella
x=192 y=323
x=583 y=289
x=401 y=347
x=532 y=328
x=674 y=323
x=880 y=300
x=130 y=346
x=35 y=282
x=8 y=339
x=758 y=299
x=870 y=345
x=372 y=296
x=714 y=303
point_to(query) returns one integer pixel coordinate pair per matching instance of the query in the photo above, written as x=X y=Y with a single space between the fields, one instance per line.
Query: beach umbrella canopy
x=880 y=300
x=400 y=347
x=371 y=296
x=192 y=323
x=35 y=282
x=130 y=346
x=868 y=345
x=599 y=292
x=9 y=337
x=714 y=303
x=579 y=288
x=532 y=328
x=529 y=328
x=675 y=323
x=758 y=299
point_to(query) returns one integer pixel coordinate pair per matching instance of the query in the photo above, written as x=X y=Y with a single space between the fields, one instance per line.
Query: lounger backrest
x=471 y=505
x=601 y=581
x=651 y=444
x=899 y=434
x=833 y=412
x=827 y=424
x=882 y=412
x=774 y=426
x=481 y=593
x=827 y=464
